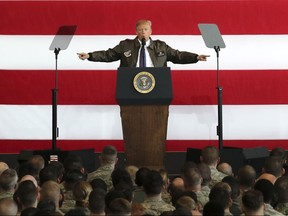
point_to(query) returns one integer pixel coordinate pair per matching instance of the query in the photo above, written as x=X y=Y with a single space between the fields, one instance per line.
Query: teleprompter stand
x=61 y=41
x=213 y=39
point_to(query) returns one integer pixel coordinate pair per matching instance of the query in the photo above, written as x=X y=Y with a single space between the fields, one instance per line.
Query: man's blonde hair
x=143 y=21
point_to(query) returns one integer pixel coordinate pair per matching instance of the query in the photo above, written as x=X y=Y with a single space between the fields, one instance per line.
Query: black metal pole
x=220 y=116
x=55 y=131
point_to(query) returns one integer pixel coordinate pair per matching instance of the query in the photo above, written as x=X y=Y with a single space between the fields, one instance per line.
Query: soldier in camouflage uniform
x=192 y=182
x=154 y=204
x=253 y=203
x=210 y=156
x=8 y=181
x=206 y=178
x=108 y=159
x=281 y=189
x=267 y=189
x=71 y=178
x=165 y=194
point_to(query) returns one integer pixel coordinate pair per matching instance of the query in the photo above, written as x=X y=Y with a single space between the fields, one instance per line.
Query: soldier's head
x=246 y=176
x=8 y=206
x=8 y=180
x=252 y=203
x=225 y=168
x=119 y=206
x=3 y=166
x=281 y=189
x=192 y=178
x=153 y=183
x=274 y=166
x=279 y=152
x=108 y=155
x=210 y=155
x=221 y=194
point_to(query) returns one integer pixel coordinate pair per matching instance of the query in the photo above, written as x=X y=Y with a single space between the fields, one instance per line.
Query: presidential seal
x=144 y=82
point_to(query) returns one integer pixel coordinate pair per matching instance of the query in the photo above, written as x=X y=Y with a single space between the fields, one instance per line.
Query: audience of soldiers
x=210 y=187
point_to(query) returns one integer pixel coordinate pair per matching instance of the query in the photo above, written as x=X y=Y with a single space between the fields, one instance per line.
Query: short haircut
x=279 y=152
x=59 y=168
x=210 y=154
x=27 y=168
x=50 y=190
x=176 y=196
x=48 y=173
x=221 y=195
x=186 y=202
x=246 y=176
x=274 y=166
x=267 y=189
x=73 y=162
x=109 y=154
x=281 y=189
x=252 y=200
x=234 y=185
x=225 y=168
x=26 y=193
x=37 y=162
x=121 y=175
x=119 y=206
x=97 y=201
x=153 y=183
x=8 y=179
x=192 y=177
x=140 y=175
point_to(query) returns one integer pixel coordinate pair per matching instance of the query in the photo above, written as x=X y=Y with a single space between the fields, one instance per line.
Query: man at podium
x=156 y=53
x=144 y=111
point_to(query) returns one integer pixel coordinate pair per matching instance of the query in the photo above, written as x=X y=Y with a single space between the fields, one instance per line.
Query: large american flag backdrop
x=253 y=72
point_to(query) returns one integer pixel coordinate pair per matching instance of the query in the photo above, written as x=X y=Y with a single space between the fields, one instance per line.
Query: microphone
x=143 y=42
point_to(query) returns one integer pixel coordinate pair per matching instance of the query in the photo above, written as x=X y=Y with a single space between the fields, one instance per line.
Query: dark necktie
x=142 y=54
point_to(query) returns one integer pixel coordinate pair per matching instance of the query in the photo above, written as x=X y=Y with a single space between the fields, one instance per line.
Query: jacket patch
x=127 y=53
x=161 y=54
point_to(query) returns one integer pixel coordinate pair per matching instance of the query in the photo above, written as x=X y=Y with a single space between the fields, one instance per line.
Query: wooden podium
x=144 y=95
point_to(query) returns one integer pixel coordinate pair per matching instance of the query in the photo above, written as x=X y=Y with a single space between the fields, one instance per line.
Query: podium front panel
x=126 y=93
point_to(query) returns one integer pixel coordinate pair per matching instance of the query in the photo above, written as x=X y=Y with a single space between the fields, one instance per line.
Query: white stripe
x=185 y=122
x=257 y=52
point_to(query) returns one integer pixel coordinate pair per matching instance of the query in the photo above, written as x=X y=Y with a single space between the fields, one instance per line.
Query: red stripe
x=15 y=146
x=118 y=17
x=99 y=87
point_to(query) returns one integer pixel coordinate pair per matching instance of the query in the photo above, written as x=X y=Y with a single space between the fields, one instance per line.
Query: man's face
x=144 y=31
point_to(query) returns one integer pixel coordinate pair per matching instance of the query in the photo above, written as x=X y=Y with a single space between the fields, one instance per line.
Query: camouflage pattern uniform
x=156 y=206
x=206 y=190
x=269 y=210
x=216 y=176
x=69 y=202
x=6 y=195
x=202 y=199
x=283 y=208
x=104 y=173
x=166 y=197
